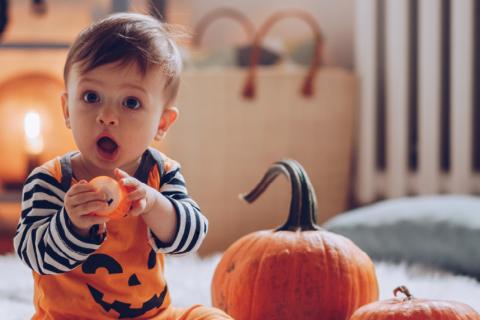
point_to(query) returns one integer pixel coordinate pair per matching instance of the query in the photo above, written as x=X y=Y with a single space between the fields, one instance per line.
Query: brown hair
x=127 y=38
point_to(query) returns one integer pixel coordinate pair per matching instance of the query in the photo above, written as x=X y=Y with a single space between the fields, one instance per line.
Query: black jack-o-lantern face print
x=124 y=309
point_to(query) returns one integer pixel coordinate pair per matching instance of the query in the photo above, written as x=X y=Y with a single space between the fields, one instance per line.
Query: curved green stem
x=405 y=291
x=303 y=204
x=308 y=217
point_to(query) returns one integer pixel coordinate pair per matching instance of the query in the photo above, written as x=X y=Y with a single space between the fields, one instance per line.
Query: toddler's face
x=115 y=112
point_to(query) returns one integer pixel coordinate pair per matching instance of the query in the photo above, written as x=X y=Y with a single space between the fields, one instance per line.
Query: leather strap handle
x=216 y=14
x=307 y=87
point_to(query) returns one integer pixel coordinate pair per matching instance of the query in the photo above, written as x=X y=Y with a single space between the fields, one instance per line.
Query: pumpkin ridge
x=257 y=238
x=340 y=264
x=332 y=253
x=296 y=264
x=359 y=273
x=228 y=278
x=257 y=274
x=361 y=276
x=326 y=267
x=353 y=300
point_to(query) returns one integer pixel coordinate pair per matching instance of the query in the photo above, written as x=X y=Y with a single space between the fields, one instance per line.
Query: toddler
x=121 y=79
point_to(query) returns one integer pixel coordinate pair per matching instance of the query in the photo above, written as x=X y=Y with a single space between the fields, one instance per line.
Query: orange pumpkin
x=297 y=271
x=410 y=308
x=117 y=201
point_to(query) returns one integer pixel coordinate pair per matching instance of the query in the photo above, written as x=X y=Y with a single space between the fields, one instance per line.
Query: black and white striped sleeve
x=192 y=225
x=45 y=240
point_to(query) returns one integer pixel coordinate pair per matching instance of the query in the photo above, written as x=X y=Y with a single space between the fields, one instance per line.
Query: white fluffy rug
x=189 y=280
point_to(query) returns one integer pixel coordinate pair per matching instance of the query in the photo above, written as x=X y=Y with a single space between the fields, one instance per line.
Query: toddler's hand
x=141 y=195
x=81 y=200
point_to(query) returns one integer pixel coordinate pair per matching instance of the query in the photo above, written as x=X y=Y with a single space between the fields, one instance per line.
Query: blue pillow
x=442 y=231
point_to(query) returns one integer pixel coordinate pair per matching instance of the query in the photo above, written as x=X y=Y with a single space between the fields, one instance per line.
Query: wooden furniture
x=9 y=213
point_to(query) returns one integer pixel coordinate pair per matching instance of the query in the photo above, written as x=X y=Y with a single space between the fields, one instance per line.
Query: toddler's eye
x=131 y=103
x=91 y=97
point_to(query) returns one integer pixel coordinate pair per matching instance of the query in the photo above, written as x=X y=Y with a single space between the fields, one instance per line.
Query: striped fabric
x=192 y=225
x=46 y=242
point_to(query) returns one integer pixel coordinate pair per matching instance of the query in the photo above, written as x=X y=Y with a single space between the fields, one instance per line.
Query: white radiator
x=419 y=118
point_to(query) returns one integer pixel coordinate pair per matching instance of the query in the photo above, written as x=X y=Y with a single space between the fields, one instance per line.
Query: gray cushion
x=442 y=231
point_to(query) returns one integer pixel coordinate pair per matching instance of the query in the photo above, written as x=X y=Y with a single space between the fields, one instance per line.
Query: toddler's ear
x=66 y=114
x=169 y=116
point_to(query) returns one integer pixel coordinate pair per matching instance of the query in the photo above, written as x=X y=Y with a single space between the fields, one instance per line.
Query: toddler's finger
x=129 y=181
x=81 y=198
x=92 y=220
x=137 y=208
x=136 y=194
x=119 y=174
x=130 y=184
x=89 y=207
x=79 y=188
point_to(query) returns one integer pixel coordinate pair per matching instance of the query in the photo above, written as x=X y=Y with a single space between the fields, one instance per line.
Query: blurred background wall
x=336 y=18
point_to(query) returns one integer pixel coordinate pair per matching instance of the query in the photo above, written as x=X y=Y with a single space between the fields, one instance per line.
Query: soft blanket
x=189 y=279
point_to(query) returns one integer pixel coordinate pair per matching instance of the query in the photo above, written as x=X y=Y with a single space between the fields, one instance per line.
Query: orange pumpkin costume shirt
x=115 y=275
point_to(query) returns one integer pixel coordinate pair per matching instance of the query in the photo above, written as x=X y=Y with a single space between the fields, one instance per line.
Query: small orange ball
x=118 y=203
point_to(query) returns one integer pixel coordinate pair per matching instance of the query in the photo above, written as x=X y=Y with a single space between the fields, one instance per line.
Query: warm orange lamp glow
x=32 y=127
x=117 y=201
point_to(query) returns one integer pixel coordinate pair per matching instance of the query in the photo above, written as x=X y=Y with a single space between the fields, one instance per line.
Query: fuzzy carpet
x=189 y=280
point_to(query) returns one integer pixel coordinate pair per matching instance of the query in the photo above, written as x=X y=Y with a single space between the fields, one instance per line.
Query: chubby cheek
x=136 y=139
x=80 y=135
x=144 y=124
x=82 y=129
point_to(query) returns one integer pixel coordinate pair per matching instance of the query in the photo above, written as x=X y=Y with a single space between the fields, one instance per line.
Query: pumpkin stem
x=405 y=291
x=303 y=204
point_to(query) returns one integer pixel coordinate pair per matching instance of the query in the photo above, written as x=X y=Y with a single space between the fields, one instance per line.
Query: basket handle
x=307 y=88
x=221 y=12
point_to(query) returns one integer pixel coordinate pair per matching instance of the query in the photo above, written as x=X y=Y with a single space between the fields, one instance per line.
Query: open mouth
x=107 y=147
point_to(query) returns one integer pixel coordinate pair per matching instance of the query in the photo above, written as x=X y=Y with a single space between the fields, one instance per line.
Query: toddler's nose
x=107 y=118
